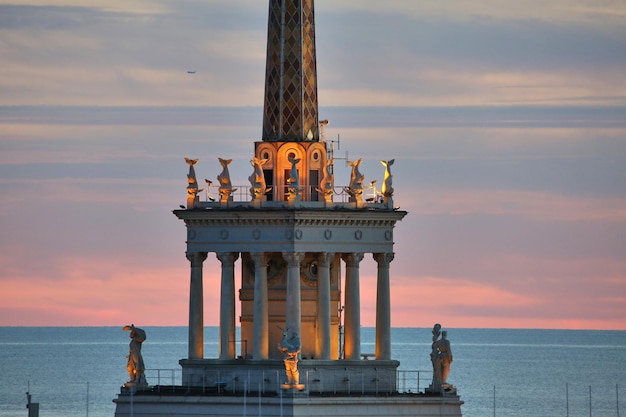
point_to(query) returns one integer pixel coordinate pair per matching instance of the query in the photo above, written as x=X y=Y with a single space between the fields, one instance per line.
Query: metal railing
x=308 y=193
x=160 y=377
x=411 y=382
x=348 y=381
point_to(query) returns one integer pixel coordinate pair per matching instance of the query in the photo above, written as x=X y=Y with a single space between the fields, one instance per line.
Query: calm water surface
x=78 y=371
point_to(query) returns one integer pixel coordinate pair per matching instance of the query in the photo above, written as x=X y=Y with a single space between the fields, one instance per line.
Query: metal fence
x=353 y=382
x=309 y=193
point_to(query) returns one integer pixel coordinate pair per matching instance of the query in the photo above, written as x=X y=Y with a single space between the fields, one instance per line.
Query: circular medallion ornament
x=298 y=234
x=309 y=273
x=388 y=235
x=224 y=234
x=256 y=234
x=358 y=235
x=328 y=234
x=191 y=234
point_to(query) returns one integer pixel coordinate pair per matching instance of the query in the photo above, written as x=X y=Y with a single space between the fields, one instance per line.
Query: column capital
x=353 y=259
x=227 y=257
x=383 y=258
x=260 y=259
x=293 y=258
x=325 y=258
x=196 y=258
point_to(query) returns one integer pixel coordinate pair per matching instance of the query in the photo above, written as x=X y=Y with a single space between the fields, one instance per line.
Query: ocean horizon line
x=362 y=327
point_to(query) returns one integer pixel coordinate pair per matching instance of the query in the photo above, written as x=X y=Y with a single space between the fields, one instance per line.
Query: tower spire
x=290 y=112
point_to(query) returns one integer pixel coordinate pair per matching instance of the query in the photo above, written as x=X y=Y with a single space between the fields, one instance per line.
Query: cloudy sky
x=507 y=120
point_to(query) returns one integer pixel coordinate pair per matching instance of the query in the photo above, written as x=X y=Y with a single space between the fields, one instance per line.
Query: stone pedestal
x=442 y=389
x=319 y=376
x=299 y=387
x=136 y=386
x=288 y=403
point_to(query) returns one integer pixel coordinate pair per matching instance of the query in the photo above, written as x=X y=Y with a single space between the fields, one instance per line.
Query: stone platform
x=322 y=377
x=290 y=403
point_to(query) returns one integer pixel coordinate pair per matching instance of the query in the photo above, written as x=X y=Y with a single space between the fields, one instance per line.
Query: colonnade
x=352 y=318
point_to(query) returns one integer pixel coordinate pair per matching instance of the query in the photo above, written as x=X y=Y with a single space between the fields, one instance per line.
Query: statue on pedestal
x=328 y=182
x=441 y=357
x=445 y=357
x=355 y=189
x=387 y=190
x=291 y=346
x=135 y=366
x=226 y=187
x=192 y=185
x=258 y=187
x=293 y=189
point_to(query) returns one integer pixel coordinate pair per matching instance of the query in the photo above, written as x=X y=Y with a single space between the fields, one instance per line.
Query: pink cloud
x=109 y=292
x=97 y=291
x=421 y=301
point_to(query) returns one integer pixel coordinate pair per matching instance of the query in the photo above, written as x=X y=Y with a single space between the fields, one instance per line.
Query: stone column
x=352 y=319
x=383 y=307
x=293 y=310
x=227 y=336
x=322 y=343
x=196 y=301
x=261 y=311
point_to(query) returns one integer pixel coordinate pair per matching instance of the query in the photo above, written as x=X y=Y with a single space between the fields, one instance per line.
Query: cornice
x=289 y=218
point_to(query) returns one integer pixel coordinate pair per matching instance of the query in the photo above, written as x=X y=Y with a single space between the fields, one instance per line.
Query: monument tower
x=292 y=243
x=300 y=240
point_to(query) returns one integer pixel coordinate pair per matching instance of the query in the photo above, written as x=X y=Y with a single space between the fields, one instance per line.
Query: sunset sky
x=507 y=120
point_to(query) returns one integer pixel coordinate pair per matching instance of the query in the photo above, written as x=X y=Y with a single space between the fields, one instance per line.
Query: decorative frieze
x=291 y=219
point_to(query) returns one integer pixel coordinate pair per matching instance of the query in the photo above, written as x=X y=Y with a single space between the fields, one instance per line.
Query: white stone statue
x=293 y=189
x=135 y=365
x=328 y=182
x=387 y=179
x=434 y=358
x=226 y=187
x=387 y=190
x=441 y=358
x=291 y=346
x=258 y=187
x=445 y=356
x=355 y=189
x=192 y=184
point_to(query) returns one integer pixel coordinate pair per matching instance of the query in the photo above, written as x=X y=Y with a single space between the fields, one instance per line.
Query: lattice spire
x=290 y=110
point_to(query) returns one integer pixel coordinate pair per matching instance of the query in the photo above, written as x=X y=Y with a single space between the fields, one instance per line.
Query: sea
x=77 y=371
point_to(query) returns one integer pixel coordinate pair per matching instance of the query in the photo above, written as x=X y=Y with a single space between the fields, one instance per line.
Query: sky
x=507 y=121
